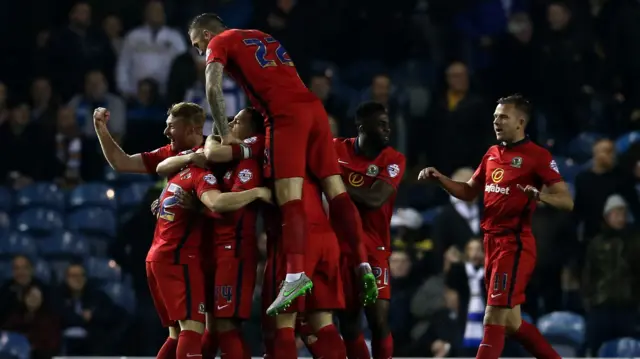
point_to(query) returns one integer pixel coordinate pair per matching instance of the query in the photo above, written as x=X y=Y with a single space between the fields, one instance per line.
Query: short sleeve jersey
x=153 y=158
x=360 y=171
x=235 y=232
x=503 y=167
x=178 y=232
x=261 y=66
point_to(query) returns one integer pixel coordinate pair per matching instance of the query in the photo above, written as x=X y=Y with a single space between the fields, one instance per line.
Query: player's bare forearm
x=215 y=152
x=461 y=190
x=117 y=158
x=232 y=201
x=215 y=97
x=173 y=164
x=373 y=197
x=561 y=201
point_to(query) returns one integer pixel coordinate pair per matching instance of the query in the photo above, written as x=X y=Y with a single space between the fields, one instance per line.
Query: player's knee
x=288 y=189
x=285 y=320
x=496 y=315
x=192 y=325
x=333 y=186
x=318 y=320
x=514 y=320
x=226 y=325
x=174 y=332
x=309 y=339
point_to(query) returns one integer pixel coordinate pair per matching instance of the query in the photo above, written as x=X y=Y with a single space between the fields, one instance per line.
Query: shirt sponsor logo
x=356 y=179
x=210 y=179
x=495 y=188
x=393 y=170
x=245 y=176
x=497 y=175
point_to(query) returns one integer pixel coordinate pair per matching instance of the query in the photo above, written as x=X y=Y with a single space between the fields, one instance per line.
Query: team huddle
x=278 y=160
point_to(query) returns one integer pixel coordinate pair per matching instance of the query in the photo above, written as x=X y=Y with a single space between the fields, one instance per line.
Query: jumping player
x=298 y=140
x=511 y=175
x=323 y=265
x=372 y=170
x=235 y=249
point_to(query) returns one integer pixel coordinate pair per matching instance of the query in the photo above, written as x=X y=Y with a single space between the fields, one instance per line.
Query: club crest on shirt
x=372 y=170
x=554 y=166
x=210 y=179
x=393 y=170
x=516 y=162
x=356 y=179
x=245 y=175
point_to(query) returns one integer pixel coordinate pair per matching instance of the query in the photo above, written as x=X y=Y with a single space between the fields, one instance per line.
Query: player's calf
x=168 y=349
x=495 y=321
x=528 y=336
x=285 y=339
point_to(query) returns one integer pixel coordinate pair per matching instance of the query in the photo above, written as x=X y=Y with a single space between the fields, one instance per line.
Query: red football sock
x=189 y=344
x=209 y=345
x=382 y=348
x=168 y=350
x=357 y=348
x=531 y=339
x=231 y=344
x=329 y=344
x=492 y=342
x=285 y=344
x=294 y=235
x=347 y=224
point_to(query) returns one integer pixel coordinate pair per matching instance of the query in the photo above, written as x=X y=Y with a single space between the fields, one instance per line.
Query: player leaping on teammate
x=511 y=175
x=298 y=140
x=372 y=170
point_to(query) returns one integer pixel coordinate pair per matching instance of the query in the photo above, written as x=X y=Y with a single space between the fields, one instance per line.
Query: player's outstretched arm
x=232 y=201
x=556 y=195
x=174 y=164
x=216 y=152
x=117 y=158
x=373 y=197
x=215 y=97
x=466 y=191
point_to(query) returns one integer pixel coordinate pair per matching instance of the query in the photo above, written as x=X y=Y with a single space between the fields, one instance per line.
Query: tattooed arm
x=215 y=97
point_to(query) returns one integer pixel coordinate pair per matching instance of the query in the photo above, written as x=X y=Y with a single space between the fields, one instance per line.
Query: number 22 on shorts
x=262 y=52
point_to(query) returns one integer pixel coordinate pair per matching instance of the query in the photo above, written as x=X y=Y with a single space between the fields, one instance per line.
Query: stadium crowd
x=74 y=234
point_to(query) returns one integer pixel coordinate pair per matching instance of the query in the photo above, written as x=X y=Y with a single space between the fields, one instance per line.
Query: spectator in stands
x=28 y=162
x=457 y=116
x=611 y=280
x=36 y=320
x=466 y=277
x=43 y=104
x=112 y=27
x=148 y=52
x=4 y=105
x=147 y=104
x=13 y=290
x=69 y=147
x=88 y=316
x=320 y=85
x=595 y=185
x=77 y=48
x=96 y=94
x=382 y=91
x=457 y=221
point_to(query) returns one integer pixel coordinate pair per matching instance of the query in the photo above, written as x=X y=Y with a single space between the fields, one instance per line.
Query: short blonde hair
x=188 y=111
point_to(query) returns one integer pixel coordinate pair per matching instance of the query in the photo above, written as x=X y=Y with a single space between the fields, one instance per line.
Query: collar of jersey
x=517 y=143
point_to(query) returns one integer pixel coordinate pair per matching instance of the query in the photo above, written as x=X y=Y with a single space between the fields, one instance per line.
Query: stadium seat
x=39 y=221
x=93 y=221
x=580 y=147
x=6 y=199
x=63 y=245
x=93 y=195
x=620 y=348
x=18 y=243
x=624 y=142
x=99 y=245
x=43 y=194
x=5 y=223
x=121 y=294
x=133 y=194
x=103 y=269
x=114 y=177
x=564 y=330
x=15 y=344
x=527 y=318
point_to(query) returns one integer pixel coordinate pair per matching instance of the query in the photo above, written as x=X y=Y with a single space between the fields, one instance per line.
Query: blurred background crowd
x=73 y=234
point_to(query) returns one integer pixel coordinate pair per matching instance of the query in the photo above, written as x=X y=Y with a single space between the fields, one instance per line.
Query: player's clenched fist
x=429 y=173
x=100 y=116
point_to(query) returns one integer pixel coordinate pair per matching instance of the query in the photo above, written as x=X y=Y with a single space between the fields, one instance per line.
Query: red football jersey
x=178 y=232
x=503 y=167
x=153 y=158
x=358 y=171
x=236 y=231
x=261 y=66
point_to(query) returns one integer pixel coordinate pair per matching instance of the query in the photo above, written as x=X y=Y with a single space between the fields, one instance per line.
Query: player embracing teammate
x=511 y=175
